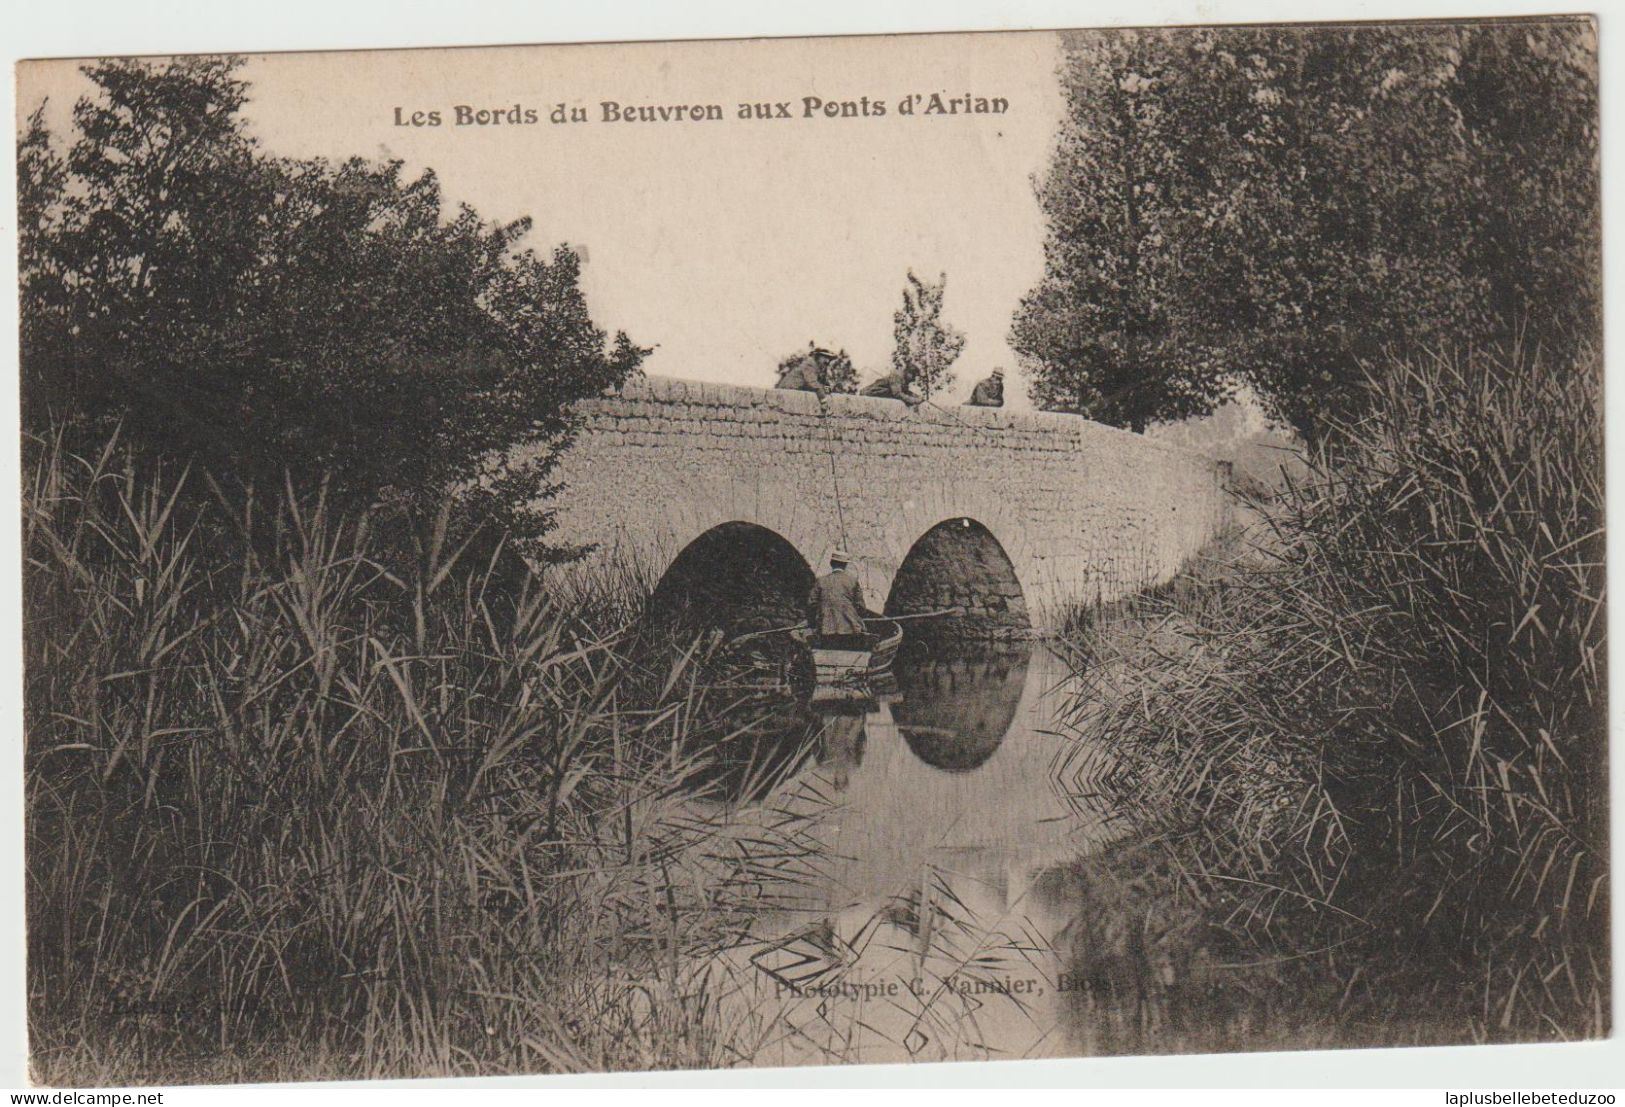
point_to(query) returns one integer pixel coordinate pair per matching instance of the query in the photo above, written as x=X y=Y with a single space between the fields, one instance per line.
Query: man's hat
x=841 y=556
x=998 y=372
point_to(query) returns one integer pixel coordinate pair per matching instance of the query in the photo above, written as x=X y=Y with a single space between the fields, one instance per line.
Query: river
x=938 y=917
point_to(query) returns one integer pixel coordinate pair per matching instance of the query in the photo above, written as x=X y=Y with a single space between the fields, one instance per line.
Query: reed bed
x=299 y=809
x=1364 y=745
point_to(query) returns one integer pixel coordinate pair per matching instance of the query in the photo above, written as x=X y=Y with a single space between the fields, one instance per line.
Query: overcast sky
x=726 y=245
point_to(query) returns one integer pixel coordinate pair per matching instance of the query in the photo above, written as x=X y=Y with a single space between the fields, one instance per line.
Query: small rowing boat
x=845 y=669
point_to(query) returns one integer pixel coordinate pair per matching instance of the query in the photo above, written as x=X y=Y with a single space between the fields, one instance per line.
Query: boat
x=845 y=672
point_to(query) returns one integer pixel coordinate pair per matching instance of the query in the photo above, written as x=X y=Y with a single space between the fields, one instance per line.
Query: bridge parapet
x=768 y=403
x=1084 y=512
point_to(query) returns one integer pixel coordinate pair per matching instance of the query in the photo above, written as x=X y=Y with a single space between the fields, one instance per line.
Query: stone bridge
x=1014 y=515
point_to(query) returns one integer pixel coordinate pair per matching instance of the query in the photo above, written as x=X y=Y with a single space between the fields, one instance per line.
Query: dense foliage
x=275 y=318
x=1279 y=205
x=292 y=813
x=1371 y=753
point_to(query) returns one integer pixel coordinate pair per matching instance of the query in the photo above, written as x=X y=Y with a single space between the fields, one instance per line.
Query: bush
x=1370 y=751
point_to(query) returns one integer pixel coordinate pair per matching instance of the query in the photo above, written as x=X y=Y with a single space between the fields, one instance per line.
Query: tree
x=925 y=346
x=1277 y=206
x=276 y=318
x=136 y=233
x=41 y=191
x=1109 y=332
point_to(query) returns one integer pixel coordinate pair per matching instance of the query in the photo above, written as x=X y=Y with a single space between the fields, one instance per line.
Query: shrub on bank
x=1369 y=751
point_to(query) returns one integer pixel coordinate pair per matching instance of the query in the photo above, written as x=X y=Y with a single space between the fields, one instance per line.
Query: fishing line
x=987 y=432
x=834 y=477
x=829 y=451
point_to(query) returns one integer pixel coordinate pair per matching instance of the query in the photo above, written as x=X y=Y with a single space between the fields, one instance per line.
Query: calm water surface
x=943 y=857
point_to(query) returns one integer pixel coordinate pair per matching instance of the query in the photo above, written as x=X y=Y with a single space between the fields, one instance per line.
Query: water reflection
x=841 y=740
x=960 y=759
x=952 y=705
x=956 y=706
x=929 y=925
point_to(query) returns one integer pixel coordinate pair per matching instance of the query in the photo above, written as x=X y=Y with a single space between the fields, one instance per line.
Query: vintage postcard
x=786 y=552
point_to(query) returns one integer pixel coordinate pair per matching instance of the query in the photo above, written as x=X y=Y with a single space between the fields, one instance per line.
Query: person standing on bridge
x=835 y=607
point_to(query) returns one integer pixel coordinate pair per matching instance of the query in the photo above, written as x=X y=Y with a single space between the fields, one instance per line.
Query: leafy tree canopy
x=276 y=318
x=1275 y=205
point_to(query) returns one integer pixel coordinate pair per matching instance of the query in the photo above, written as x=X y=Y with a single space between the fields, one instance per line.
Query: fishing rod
x=874 y=619
x=771 y=630
x=917 y=615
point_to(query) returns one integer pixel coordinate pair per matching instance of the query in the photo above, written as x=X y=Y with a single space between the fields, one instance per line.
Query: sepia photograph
x=772 y=552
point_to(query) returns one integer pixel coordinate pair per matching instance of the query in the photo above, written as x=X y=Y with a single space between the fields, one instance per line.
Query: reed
x=299 y=809
x=1365 y=748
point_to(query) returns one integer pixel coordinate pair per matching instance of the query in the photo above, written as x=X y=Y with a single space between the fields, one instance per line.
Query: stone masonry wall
x=1085 y=512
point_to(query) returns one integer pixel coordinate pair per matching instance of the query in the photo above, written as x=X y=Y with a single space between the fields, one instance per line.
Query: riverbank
x=298 y=807
x=1364 y=746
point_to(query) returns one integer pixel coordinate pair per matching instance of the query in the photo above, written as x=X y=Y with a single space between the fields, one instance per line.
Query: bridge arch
x=960 y=563
x=738 y=575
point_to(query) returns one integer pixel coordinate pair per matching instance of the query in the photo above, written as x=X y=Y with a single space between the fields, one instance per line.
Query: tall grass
x=1367 y=749
x=294 y=809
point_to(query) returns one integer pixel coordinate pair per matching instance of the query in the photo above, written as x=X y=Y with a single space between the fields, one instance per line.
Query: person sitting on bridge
x=988 y=392
x=835 y=607
x=817 y=370
x=893 y=386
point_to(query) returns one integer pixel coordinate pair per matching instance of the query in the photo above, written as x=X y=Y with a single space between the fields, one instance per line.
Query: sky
x=725 y=245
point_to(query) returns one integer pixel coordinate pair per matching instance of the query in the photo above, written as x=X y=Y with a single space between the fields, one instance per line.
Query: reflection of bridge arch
x=955 y=711
x=1082 y=512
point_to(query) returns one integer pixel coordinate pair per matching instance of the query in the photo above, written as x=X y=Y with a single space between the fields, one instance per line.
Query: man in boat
x=835 y=607
x=988 y=392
